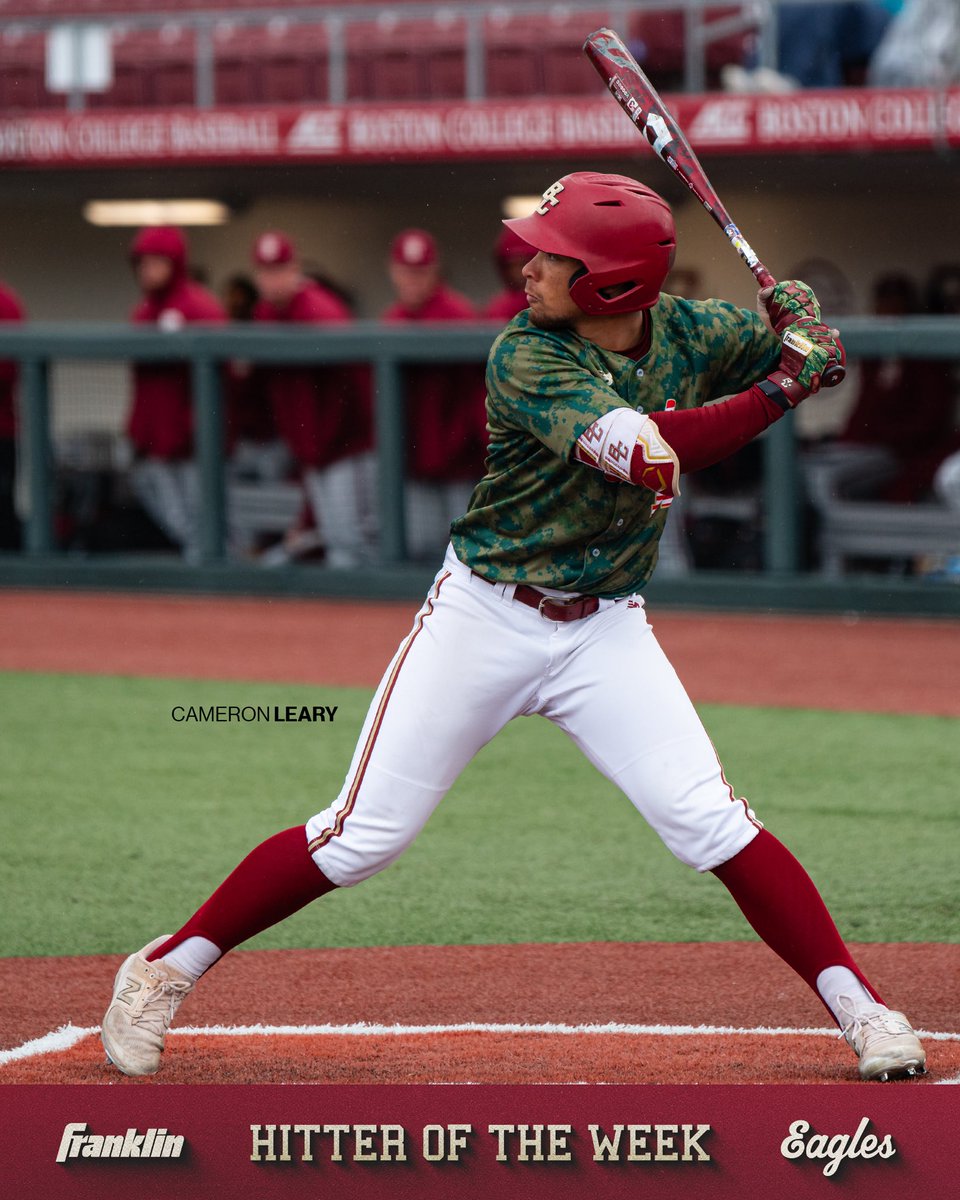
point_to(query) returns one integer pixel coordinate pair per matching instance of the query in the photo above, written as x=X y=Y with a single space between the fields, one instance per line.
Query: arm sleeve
x=701 y=437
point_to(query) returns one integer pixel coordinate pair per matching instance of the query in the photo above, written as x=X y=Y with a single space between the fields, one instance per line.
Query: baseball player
x=595 y=406
x=11 y=309
x=160 y=425
x=444 y=401
x=324 y=414
x=510 y=255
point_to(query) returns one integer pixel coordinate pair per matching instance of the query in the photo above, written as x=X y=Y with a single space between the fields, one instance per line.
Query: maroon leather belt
x=550 y=607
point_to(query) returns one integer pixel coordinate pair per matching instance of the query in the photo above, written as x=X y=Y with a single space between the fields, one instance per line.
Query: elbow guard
x=628 y=448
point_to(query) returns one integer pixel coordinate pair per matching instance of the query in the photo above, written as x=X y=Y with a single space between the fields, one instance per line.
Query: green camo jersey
x=540 y=517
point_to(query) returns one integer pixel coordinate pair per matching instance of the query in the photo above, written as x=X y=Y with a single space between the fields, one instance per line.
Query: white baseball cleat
x=146 y=995
x=883 y=1040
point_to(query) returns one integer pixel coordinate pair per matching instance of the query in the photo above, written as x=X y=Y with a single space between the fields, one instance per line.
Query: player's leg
x=463 y=671
x=338 y=498
x=620 y=699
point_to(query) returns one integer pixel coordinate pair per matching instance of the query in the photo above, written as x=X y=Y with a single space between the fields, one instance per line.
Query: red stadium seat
x=566 y=70
x=445 y=55
x=23 y=72
x=513 y=54
x=236 y=66
x=385 y=61
x=657 y=39
x=293 y=64
x=150 y=67
x=174 y=70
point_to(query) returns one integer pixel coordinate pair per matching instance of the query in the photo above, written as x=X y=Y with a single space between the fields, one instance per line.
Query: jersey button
x=595 y=553
x=620 y=522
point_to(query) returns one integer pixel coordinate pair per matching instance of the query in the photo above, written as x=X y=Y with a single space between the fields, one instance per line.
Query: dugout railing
x=782 y=583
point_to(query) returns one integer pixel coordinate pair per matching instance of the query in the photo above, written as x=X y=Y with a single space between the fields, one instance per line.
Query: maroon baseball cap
x=414 y=248
x=273 y=248
x=510 y=246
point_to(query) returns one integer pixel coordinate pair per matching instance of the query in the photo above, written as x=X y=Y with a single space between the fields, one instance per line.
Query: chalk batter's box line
x=67 y=1036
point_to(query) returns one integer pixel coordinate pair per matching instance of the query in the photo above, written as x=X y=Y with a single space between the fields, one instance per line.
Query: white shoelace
x=150 y=1005
x=881 y=1020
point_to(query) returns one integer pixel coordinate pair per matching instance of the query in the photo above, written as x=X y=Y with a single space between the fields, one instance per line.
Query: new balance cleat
x=884 y=1041
x=146 y=996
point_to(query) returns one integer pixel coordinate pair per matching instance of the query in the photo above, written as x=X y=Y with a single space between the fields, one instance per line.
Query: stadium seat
x=445 y=57
x=657 y=38
x=566 y=70
x=385 y=61
x=236 y=64
x=150 y=67
x=514 y=58
x=174 y=69
x=23 y=73
x=293 y=62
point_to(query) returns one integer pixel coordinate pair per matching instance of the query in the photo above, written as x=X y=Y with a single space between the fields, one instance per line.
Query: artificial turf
x=119 y=821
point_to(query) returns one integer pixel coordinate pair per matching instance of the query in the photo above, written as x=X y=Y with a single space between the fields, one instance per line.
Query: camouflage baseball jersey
x=540 y=517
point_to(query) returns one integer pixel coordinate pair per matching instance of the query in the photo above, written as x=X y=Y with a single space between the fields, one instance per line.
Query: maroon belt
x=549 y=606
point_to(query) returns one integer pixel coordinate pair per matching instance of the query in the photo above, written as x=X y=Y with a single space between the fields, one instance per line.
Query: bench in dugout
x=260 y=510
x=900 y=533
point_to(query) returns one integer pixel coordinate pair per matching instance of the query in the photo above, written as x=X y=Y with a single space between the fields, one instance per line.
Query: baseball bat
x=638 y=98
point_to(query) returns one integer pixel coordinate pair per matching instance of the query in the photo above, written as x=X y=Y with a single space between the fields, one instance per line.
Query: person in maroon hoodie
x=10 y=310
x=445 y=403
x=510 y=254
x=324 y=414
x=160 y=425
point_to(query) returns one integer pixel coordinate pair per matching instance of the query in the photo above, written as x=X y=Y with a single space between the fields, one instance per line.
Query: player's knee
x=352 y=850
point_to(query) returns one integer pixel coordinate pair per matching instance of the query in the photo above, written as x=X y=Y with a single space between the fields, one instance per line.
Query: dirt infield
x=653 y=993
x=875 y=665
x=824 y=662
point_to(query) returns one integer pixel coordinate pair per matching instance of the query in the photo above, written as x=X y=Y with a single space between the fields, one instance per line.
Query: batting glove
x=787 y=302
x=808 y=349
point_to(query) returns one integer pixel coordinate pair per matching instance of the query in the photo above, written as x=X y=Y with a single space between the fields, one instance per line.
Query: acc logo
x=550 y=198
x=316 y=133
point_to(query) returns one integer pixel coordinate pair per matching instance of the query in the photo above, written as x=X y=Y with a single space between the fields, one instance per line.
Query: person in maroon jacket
x=10 y=539
x=445 y=403
x=324 y=414
x=511 y=254
x=160 y=425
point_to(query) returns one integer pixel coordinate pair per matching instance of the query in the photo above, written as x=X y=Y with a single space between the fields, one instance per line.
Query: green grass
x=119 y=822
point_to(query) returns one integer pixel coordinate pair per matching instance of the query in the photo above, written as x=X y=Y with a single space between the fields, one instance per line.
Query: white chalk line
x=69 y=1035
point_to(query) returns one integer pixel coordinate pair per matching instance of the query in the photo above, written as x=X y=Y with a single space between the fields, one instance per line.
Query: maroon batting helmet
x=620 y=230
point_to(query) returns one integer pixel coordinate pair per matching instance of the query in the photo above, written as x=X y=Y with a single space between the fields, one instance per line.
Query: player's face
x=547 y=284
x=413 y=285
x=278 y=283
x=154 y=272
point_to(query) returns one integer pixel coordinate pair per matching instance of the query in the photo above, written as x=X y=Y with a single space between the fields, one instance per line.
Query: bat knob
x=832 y=376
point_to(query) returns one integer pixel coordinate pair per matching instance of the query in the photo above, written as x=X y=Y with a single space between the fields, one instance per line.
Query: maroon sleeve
x=703 y=436
x=200 y=305
x=10 y=310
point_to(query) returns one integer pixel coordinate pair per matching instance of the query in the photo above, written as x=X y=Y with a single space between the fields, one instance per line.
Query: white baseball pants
x=475 y=659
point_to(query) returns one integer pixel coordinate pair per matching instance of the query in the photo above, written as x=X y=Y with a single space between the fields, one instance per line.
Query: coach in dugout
x=445 y=414
x=160 y=425
x=324 y=414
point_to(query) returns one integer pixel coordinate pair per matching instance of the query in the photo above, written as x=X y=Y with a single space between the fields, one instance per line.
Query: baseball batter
x=595 y=406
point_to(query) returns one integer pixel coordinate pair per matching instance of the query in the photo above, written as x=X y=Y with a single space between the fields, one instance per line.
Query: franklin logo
x=154 y=1143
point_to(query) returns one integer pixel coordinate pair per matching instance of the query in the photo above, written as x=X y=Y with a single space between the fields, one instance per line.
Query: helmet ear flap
x=578 y=274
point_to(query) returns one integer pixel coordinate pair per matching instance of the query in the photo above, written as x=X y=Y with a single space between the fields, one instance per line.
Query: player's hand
x=784 y=303
x=808 y=349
